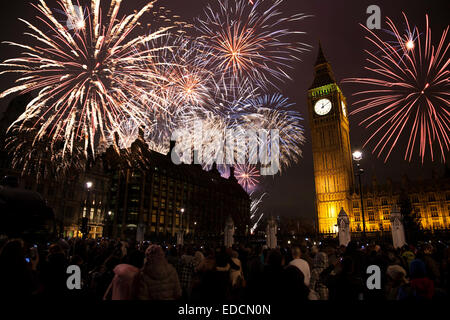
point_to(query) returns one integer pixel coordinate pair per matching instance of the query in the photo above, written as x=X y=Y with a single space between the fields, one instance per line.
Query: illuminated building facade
x=66 y=195
x=165 y=198
x=430 y=199
x=333 y=173
x=333 y=170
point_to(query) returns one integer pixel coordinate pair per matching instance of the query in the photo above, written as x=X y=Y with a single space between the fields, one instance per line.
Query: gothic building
x=430 y=200
x=334 y=176
x=124 y=189
x=163 y=198
x=330 y=132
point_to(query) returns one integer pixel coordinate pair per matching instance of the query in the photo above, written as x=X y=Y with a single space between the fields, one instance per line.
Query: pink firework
x=247 y=176
x=409 y=93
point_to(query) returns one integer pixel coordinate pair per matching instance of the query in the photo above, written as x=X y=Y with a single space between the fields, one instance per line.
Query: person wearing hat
x=158 y=280
x=396 y=276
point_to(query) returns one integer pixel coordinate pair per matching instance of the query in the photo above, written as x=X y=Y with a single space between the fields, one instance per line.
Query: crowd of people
x=119 y=270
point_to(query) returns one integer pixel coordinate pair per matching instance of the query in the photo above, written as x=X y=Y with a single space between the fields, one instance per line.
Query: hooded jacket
x=158 y=280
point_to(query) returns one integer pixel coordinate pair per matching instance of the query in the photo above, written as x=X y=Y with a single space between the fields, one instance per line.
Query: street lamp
x=180 y=231
x=89 y=185
x=357 y=157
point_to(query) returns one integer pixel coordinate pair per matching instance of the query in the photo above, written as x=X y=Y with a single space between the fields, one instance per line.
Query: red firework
x=409 y=92
x=247 y=176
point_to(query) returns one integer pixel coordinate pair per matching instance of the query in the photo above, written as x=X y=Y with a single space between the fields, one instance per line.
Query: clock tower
x=330 y=132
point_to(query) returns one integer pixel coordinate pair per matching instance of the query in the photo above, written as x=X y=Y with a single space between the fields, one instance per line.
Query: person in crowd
x=255 y=273
x=198 y=259
x=271 y=277
x=236 y=275
x=172 y=256
x=306 y=255
x=343 y=280
x=317 y=287
x=432 y=267
x=422 y=287
x=237 y=278
x=314 y=250
x=102 y=276
x=293 y=285
x=54 y=273
x=186 y=269
x=158 y=280
x=124 y=285
x=407 y=256
x=18 y=276
x=301 y=264
x=219 y=275
x=396 y=282
x=213 y=281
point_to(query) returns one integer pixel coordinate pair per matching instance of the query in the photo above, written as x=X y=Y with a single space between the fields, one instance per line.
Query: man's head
x=296 y=253
x=428 y=249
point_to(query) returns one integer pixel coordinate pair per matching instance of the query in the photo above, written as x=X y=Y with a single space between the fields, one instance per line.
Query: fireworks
x=272 y=112
x=255 y=215
x=99 y=83
x=409 y=93
x=250 y=40
x=37 y=158
x=247 y=176
x=85 y=72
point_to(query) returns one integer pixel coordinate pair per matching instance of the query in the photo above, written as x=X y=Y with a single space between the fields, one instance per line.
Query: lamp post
x=89 y=185
x=181 y=231
x=357 y=157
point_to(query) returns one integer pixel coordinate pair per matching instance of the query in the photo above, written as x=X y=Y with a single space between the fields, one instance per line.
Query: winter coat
x=158 y=281
x=319 y=264
x=124 y=284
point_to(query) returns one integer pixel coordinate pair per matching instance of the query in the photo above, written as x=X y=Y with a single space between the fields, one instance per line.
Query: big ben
x=333 y=174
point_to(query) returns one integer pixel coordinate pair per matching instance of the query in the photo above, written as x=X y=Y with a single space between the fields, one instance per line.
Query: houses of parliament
x=335 y=183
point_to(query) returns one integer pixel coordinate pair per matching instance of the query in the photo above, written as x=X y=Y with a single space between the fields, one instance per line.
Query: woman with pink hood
x=124 y=284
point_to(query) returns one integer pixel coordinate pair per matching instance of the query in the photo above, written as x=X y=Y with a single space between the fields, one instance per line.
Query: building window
x=355 y=204
x=357 y=217
x=418 y=212
x=431 y=198
x=371 y=216
x=434 y=212
x=386 y=215
x=369 y=203
x=384 y=202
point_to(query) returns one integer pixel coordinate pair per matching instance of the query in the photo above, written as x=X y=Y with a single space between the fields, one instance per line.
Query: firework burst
x=255 y=214
x=250 y=40
x=247 y=176
x=84 y=72
x=37 y=157
x=273 y=112
x=409 y=93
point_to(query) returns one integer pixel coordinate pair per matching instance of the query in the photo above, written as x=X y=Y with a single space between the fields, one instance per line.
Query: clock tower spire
x=330 y=133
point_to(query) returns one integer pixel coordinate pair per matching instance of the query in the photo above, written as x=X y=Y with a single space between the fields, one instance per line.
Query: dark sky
x=336 y=24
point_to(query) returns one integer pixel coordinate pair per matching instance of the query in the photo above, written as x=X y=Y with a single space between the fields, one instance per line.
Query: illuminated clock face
x=323 y=107
x=344 y=108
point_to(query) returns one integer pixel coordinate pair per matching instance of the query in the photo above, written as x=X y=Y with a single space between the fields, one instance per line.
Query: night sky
x=336 y=25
